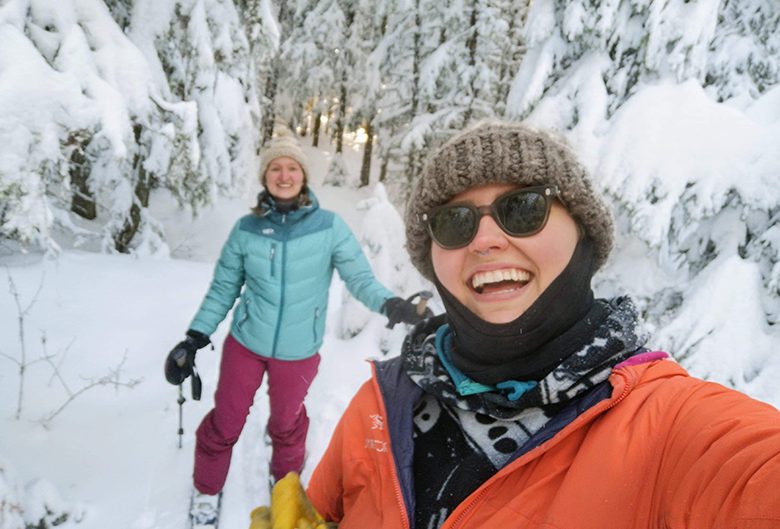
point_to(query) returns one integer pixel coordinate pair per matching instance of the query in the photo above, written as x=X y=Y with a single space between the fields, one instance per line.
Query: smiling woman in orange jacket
x=529 y=403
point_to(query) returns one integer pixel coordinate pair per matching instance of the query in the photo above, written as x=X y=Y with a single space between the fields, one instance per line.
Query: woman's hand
x=400 y=310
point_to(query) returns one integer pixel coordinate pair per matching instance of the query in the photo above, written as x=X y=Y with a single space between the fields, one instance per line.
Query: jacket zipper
x=281 y=293
x=626 y=390
x=399 y=498
x=468 y=509
x=624 y=393
x=271 y=255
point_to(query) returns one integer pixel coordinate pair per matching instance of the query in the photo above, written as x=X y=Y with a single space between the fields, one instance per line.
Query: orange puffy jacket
x=665 y=450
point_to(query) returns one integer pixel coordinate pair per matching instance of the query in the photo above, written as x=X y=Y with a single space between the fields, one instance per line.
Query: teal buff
x=556 y=325
x=514 y=389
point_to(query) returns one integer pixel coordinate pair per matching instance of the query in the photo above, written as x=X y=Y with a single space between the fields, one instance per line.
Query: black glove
x=400 y=310
x=181 y=360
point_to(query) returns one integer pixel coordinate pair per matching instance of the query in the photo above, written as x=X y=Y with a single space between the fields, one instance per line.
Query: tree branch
x=113 y=378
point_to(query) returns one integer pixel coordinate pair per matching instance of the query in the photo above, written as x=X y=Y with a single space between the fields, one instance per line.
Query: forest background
x=123 y=120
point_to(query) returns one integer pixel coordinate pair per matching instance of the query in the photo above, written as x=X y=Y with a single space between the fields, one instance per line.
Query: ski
x=204 y=510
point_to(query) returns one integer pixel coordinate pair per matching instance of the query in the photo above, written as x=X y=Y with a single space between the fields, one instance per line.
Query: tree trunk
x=341 y=113
x=415 y=103
x=315 y=135
x=269 y=99
x=365 y=170
x=83 y=200
x=144 y=186
x=271 y=86
x=471 y=44
x=416 y=59
x=383 y=167
x=142 y=191
x=123 y=239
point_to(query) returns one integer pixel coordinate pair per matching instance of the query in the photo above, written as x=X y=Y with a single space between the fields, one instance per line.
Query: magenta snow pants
x=241 y=374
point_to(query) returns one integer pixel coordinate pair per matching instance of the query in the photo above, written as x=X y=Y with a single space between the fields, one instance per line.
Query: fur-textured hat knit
x=515 y=153
x=285 y=145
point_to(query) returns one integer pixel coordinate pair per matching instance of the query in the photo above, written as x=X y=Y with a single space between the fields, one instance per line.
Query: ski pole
x=197 y=387
x=181 y=402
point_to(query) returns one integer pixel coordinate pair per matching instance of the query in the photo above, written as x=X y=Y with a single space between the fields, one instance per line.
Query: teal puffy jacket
x=285 y=261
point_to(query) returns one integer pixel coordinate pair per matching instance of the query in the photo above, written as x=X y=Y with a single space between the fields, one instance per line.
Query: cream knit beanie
x=283 y=146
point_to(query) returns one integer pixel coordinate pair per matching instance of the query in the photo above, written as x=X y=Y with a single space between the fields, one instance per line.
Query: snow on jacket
x=285 y=261
x=658 y=449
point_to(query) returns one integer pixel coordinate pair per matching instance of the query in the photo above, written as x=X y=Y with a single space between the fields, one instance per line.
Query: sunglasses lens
x=522 y=213
x=453 y=227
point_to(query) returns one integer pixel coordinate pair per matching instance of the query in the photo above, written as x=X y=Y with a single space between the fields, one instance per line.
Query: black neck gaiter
x=266 y=201
x=560 y=322
x=286 y=206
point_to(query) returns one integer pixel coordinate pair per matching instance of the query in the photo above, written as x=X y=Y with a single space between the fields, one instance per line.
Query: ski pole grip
x=424 y=297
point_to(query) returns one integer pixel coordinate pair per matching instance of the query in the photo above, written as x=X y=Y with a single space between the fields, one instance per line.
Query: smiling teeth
x=496 y=276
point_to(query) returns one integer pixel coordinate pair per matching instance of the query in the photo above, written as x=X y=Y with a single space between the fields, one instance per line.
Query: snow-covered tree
x=95 y=117
x=647 y=92
x=310 y=61
x=744 y=58
x=511 y=49
x=277 y=27
x=80 y=113
x=200 y=48
x=337 y=174
x=416 y=30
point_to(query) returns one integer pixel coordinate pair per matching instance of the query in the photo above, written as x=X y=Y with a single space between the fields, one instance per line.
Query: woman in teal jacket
x=278 y=262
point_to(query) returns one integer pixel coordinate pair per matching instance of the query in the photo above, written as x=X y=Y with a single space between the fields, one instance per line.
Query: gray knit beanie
x=515 y=153
x=283 y=146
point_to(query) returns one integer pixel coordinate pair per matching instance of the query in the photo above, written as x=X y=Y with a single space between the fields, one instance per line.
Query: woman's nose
x=489 y=236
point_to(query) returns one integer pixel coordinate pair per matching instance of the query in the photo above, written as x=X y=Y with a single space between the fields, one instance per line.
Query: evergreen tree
x=416 y=31
x=744 y=55
x=369 y=30
x=593 y=69
x=282 y=32
x=311 y=61
x=165 y=103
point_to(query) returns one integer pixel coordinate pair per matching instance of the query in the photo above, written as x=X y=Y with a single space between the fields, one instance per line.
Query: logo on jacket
x=377 y=422
x=376 y=444
x=268 y=231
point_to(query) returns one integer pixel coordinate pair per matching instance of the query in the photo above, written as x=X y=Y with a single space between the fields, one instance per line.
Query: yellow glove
x=290 y=508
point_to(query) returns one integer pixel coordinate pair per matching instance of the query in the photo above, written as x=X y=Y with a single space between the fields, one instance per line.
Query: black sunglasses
x=520 y=213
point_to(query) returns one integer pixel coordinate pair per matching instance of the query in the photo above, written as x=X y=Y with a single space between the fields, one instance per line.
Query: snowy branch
x=22 y=362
